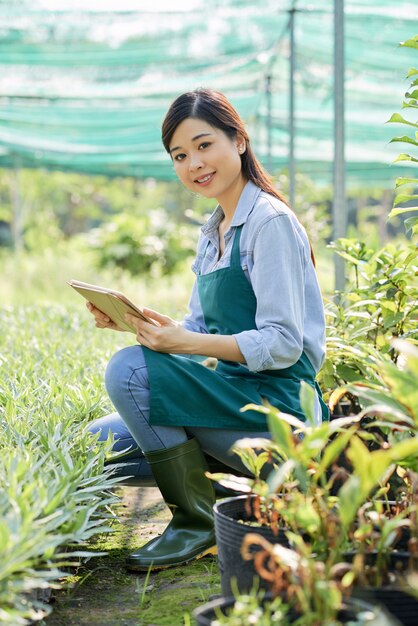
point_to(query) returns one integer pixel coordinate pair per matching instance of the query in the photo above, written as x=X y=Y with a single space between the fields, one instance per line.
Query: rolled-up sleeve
x=281 y=252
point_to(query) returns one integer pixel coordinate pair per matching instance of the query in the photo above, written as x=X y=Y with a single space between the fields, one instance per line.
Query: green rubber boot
x=180 y=475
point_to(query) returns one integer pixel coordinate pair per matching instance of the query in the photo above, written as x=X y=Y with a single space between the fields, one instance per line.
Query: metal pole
x=292 y=64
x=269 y=125
x=339 y=205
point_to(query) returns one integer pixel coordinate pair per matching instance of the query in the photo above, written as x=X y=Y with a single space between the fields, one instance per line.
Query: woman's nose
x=195 y=162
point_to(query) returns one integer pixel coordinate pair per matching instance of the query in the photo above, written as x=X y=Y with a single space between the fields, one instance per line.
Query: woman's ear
x=241 y=144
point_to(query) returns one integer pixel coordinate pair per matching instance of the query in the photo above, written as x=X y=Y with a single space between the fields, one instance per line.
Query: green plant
x=411 y=103
x=252 y=609
x=391 y=404
x=315 y=592
x=55 y=491
x=380 y=304
x=152 y=242
x=309 y=489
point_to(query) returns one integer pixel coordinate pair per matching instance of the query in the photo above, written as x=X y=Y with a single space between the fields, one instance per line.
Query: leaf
x=411 y=223
x=397 y=118
x=229 y=481
x=281 y=433
x=406 y=181
x=413 y=95
x=336 y=396
x=307 y=402
x=404 y=449
x=333 y=450
x=412 y=72
x=359 y=456
x=405 y=157
x=349 y=500
x=347 y=373
x=400 y=211
x=277 y=477
x=404 y=139
x=411 y=43
x=404 y=197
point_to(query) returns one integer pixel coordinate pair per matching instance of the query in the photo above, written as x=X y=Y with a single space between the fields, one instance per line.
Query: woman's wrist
x=218 y=346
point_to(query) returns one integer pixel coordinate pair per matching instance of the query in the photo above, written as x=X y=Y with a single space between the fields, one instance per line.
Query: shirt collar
x=245 y=205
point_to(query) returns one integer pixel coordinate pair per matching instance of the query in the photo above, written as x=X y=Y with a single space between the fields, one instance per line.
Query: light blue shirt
x=276 y=258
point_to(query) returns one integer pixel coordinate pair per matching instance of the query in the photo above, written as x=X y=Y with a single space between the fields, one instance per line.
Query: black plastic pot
x=371 y=615
x=230 y=530
x=403 y=606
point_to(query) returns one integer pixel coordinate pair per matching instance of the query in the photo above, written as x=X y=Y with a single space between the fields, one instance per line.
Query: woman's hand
x=166 y=335
x=102 y=320
x=170 y=336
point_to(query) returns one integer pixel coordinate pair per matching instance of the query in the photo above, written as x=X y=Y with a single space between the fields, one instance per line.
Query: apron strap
x=235 y=253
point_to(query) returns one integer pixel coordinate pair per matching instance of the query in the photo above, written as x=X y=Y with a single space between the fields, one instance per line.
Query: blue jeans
x=128 y=387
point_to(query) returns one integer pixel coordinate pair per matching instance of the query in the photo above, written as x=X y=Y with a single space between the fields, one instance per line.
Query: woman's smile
x=204 y=181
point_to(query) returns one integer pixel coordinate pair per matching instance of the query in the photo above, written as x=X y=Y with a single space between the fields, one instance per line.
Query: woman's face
x=206 y=160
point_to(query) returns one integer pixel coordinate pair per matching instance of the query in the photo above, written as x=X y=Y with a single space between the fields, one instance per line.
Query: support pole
x=339 y=205
x=292 y=64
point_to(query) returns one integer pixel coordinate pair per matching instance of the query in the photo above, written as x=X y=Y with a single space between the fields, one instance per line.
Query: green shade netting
x=84 y=86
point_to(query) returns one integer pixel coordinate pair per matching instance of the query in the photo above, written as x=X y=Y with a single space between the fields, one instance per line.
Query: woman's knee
x=121 y=367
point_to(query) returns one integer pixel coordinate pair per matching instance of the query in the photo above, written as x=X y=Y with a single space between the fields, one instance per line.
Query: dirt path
x=103 y=593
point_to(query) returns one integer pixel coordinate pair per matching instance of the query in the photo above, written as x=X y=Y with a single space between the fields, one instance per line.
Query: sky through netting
x=84 y=85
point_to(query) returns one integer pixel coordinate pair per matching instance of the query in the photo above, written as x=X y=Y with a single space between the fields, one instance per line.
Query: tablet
x=113 y=303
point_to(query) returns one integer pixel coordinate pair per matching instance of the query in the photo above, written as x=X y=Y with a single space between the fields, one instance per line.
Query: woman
x=255 y=306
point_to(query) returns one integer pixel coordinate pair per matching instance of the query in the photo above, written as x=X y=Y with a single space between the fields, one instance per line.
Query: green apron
x=185 y=393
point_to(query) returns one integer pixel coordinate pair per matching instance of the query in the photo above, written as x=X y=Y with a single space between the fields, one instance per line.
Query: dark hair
x=215 y=109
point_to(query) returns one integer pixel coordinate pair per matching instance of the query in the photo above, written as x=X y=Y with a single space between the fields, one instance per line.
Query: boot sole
x=212 y=551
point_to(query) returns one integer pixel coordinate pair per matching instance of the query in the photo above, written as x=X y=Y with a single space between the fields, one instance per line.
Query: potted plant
x=304 y=593
x=299 y=495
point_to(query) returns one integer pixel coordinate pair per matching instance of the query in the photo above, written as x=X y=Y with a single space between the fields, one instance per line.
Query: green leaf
x=406 y=181
x=347 y=373
x=401 y=210
x=409 y=104
x=412 y=94
x=411 y=43
x=412 y=72
x=307 y=518
x=404 y=139
x=405 y=157
x=397 y=118
x=403 y=197
x=307 y=402
x=359 y=456
x=277 y=477
x=281 y=433
x=333 y=450
x=412 y=223
x=349 y=500
x=404 y=449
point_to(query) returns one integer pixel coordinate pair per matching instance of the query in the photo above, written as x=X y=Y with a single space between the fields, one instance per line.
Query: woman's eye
x=204 y=145
x=179 y=157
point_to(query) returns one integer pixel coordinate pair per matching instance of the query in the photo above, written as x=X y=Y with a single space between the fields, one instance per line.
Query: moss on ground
x=103 y=593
